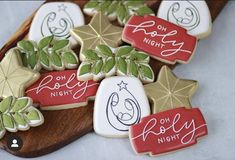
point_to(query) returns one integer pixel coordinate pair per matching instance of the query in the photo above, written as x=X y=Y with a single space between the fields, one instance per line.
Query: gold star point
x=14 y=78
x=98 y=31
x=169 y=91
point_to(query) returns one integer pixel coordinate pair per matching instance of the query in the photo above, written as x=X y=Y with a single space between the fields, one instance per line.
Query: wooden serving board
x=64 y=126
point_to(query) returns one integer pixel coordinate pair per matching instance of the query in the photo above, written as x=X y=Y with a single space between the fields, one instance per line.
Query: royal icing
x=18 y=114
x=61 y=90
x=48 y=53
x=120 y=102
x=56 y=18
x=163 y=40
x=120 y=10
x=170 y=92
x=98 y=31
x=125 y=60
x=191 y=15
x=168 y=131
x=14 y=78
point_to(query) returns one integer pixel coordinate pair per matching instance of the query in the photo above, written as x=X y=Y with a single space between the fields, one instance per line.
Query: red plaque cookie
x=163 y=40
x=61 y=90
x=168 y=131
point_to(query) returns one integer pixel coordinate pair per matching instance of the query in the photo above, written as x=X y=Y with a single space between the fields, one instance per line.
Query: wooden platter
x=64 y=126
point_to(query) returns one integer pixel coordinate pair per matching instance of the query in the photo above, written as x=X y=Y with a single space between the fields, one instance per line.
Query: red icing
x=161 y=39
x=61 y=88
x=168 y=131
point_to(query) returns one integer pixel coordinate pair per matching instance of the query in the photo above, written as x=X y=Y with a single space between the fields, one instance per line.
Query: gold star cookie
x=14 y=78
x=98 y=31
x=169 y=91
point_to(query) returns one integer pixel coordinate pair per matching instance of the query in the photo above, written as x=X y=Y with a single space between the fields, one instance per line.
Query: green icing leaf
x=134 y=3
x=133 y=69
x=33 y=114
x=26 y=45
x=44 y=59
x=139 y=56
x=69 y=58
x=123 y=51
x=109 y=64
x=112 y=8
x=5 y=104
x=45 y=42
x=84 y=69
x=8 y=121
x=20 y=104
x=122 y=65
x=144 y=10
x=103 y=6
x=56 y=60
x=105 y=50
x=91 y=55
x=121 y=12
x=60 y=44
x=2 y=129
x=146 y=71
x=91 y=4
x=24 y=59
x=97 y=67
x=32 y=60
x=19 y=119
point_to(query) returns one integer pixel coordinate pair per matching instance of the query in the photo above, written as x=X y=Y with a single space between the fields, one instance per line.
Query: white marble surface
x=213 y=66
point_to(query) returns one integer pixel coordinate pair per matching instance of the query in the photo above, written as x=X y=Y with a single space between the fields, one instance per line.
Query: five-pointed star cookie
x=14 y=78
x=98 y=31
x=169 y=91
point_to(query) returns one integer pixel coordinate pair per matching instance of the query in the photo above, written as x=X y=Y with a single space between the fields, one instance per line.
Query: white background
x=213 y=66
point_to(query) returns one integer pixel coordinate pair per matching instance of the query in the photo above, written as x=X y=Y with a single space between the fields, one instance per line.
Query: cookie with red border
x=163 y=40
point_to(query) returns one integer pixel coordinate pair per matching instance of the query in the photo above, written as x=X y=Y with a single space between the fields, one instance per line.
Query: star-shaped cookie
x=98 y=31
x=14 y=78
x=169 y=91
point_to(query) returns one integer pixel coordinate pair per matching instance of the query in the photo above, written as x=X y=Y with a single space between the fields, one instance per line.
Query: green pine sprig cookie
x=49 y=54
x=121 y=10
x=103 y=62
x=18 y=114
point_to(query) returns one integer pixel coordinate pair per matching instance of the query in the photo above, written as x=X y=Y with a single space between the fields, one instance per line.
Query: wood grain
x=62 y=127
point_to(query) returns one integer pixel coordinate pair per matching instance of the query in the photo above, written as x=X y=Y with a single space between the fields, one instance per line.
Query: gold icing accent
x=14 y=78
x=169 y=91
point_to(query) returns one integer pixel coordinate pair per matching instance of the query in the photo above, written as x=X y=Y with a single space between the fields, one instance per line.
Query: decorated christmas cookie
x=98 y=31
x=49 y=54
x=163 y=40
x=168 y=131
x=120 y=10
x=191 y=15
x=103 y=62
x=14 y=78
x=170 y=92
x=120 y=102
x=18 y=114
x=61 y=90
x=56 y=18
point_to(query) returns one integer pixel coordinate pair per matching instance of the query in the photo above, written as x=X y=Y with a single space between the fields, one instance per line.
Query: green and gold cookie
x=170 y=92
x=98 y=31
x=14 y=78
